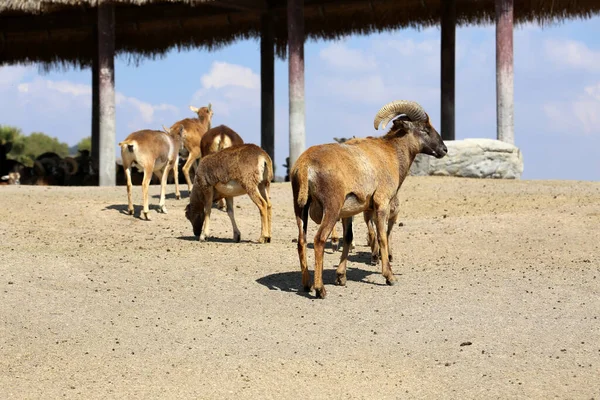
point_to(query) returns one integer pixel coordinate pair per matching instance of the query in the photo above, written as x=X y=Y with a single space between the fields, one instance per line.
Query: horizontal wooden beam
x=242 y=5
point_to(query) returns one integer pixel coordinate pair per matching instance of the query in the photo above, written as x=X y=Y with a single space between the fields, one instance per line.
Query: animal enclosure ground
x=498 y=296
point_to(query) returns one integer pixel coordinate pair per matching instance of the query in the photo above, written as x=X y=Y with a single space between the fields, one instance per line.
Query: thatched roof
x=62 y=31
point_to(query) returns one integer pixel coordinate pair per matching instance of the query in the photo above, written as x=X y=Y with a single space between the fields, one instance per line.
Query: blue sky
x=557 y=91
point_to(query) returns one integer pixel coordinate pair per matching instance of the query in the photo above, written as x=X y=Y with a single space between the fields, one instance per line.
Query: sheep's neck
x=406 y=150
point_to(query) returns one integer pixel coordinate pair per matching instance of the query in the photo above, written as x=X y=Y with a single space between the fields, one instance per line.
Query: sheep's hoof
x=130 y=211
x=264 y=239
x=147 y=215
x=202 y=238
x=390 y=257
x=374 y=259
x=391 y=282
x=340 y=279
x=237 y=237
x=321 y=293
x=335 y=244
x=163 y=209
x=308 y=288
x=178 y=197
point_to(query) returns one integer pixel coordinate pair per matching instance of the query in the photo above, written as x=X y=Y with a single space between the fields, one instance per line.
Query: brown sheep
x=216 y=139
x=151 y=151
x=193 y=130
x=339 y=180
x=234 y=171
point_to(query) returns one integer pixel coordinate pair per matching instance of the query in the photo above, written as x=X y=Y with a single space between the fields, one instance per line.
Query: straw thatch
x=55 y=32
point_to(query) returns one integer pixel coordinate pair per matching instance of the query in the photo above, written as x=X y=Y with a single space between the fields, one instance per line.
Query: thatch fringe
x=65 y=37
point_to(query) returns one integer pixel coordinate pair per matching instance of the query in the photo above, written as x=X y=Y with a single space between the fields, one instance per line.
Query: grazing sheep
x=216 y=139
x=339 y=180
x=151 y=151
x=193 y=130
x=234 y=171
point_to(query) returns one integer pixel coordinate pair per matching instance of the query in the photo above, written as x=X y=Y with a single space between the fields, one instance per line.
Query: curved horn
x=39 y=169
x=412 y=110
x=165 y=129
x=74 y=165
x=209 y=106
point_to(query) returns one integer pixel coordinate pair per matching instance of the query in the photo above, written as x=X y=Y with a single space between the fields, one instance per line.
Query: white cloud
x=340 y=57
x=63 y=108
x=223 y=74
x=229 y=88
x=581 y=115
x=572 y=54
x=13 y=74
x=594 y=91
x=146 y=110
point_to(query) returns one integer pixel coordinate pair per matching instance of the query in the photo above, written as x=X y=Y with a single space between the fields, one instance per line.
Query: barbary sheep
x=234 y=171
x=193 y=130
x=216 y=139
x=151 y=151
x=340 y=180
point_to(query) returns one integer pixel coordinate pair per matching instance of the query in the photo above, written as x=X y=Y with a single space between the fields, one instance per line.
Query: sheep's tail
x=130 y=144
x=299 y=178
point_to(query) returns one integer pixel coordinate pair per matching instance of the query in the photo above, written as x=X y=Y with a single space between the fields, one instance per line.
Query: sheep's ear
x=400 y=122
x=194 y=109
x=209 y=107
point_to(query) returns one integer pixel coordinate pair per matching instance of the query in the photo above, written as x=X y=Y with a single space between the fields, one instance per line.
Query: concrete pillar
x=106 y=98
x=295 y=14
x=267 y=86
x=448 y=65
x=95 y=152
x=504 y=71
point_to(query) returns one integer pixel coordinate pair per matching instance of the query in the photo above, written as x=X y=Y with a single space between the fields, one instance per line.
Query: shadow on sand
x=213 y=239
x=171 y=195
x=292 y=281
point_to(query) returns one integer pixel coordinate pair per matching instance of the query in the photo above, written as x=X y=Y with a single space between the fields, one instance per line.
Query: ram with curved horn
x=340 y=180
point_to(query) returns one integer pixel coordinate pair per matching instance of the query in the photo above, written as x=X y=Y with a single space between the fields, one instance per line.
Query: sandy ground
x=497 y=297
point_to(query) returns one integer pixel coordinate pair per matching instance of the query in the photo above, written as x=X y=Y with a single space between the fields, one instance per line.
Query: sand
x=497 y=297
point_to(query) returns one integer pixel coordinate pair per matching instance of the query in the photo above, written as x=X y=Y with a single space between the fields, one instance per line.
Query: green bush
x=25 y=148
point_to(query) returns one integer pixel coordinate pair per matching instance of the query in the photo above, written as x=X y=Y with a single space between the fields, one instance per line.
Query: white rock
x=473 y=158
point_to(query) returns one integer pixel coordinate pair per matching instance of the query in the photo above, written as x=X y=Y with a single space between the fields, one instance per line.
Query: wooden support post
x=267 y=85
x=448 y=66
x=504 y=71
x=295 y=14
x=106 y=98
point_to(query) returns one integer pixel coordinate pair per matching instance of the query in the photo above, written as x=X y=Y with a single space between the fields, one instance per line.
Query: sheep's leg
x=176 y=177
x=381 y=223
x=265 y=190
x=208 y=197
x=302 y=221
x=323 y=233
x=163 y=187
x=145 y=184
x=372 y=236
x=391 y=222
x=129 y=189
x=193 y=155
x=348 y=237
x=335 y=239
x=262 y=207
x=237 y=236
